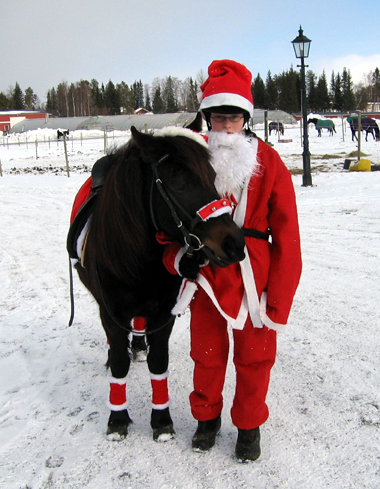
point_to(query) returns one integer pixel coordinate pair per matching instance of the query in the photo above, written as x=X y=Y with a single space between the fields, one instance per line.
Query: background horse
x=60 y=134
x=368 y=125
x=154 y=185
x=276 y=126
x=323 y=124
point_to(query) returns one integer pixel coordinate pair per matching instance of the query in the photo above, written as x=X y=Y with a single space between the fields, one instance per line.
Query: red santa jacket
x=263 y=285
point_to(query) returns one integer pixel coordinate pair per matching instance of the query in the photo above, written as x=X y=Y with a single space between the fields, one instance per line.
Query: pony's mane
x=119 y=223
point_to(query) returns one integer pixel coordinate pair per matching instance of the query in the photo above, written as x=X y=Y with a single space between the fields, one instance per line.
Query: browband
x=215 y=209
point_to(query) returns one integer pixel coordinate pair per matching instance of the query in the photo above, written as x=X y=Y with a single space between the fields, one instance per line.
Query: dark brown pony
x=368 y=125
x=276 y=126
x=123 y=266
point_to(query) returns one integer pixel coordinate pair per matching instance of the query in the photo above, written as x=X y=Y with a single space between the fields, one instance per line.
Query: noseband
x=213 y=209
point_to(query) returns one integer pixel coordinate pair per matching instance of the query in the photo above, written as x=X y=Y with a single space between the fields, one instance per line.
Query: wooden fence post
x=359 y=133
x=67 y=160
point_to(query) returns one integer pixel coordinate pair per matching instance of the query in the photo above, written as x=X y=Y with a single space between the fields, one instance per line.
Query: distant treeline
x=169 y=95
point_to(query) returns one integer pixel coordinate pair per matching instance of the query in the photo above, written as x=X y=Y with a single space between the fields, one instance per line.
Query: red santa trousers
x=254 y=356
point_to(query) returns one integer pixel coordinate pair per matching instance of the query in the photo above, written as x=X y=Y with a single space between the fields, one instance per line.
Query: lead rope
x=115 y=320
x=71 y=320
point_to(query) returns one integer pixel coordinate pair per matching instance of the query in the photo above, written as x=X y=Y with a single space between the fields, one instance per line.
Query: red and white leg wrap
x=160 y=393
x=118 y=394
x=139 y=324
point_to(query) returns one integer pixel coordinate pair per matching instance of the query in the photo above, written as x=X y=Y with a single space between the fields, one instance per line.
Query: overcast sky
x=45 y=42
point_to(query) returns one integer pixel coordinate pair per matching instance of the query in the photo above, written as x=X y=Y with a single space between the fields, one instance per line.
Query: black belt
x=254 y=233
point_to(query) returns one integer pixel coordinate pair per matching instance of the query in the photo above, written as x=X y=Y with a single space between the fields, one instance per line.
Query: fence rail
x=74 y=141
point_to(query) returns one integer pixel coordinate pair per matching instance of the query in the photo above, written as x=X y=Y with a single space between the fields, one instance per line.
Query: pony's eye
x=178 y=182
x=178 y=186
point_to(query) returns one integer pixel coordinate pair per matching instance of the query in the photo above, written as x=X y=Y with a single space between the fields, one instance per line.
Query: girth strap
x=254 y=233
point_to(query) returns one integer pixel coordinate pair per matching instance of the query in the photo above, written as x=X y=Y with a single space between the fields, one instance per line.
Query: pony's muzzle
x=234 y=248
x=231 y=251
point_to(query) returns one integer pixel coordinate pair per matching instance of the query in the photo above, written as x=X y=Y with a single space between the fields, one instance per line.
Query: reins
x=115 y=320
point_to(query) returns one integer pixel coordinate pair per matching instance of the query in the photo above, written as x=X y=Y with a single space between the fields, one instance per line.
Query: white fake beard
x=234 y=160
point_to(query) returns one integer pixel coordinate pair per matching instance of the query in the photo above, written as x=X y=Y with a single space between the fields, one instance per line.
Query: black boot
x=204 y=438
x=248 y=445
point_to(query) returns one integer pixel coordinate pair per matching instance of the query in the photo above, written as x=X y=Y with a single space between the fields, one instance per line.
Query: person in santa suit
x=253 y=296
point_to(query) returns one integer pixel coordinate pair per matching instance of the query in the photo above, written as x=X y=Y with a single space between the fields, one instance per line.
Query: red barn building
x=8 y=118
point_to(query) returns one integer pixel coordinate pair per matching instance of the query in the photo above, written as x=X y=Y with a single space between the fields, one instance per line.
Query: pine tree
x=112 y=100
x=158 y=103
x=322 y=93
x=52 y=102
x=17 y=98
x=271 y=93
x=126 y=97
x=288 y=84
x=259 y=93
x=5 y=103
x=192 y=104
x=311 y=91
x=169 y=96
x=337 y=93
x=138 y=94
x=30 y=99
x=147 y=105
x=348 y=96
x=96 y=96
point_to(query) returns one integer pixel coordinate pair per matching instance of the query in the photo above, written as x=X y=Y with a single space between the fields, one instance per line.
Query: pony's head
x=183 y=201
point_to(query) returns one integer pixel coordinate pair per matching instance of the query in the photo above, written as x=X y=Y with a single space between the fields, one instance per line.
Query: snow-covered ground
x=324 y=398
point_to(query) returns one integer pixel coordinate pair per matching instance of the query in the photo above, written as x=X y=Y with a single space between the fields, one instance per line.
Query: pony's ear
x=147 y=144
x=196 y=125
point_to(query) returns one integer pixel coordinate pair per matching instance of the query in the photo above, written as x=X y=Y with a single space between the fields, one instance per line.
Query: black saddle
x=98 y=173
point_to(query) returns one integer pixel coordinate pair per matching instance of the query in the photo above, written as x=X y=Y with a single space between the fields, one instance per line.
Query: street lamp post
x=301 y=45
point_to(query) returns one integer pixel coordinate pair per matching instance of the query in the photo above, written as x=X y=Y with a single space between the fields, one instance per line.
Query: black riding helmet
x=224 y=109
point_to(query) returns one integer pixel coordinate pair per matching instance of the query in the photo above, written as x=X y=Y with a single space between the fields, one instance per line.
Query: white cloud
x=359 y=66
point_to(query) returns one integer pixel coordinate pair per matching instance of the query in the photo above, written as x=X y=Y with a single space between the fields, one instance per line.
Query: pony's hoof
x=163 y=433
x=118 y=423
x=116 y=436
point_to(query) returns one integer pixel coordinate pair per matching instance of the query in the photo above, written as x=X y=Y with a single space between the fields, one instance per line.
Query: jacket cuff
x=280 y=328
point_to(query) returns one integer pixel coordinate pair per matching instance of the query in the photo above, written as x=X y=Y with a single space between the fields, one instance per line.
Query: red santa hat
x=229 y=84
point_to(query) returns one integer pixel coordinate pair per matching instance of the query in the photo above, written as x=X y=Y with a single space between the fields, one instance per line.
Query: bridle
x=213 y=209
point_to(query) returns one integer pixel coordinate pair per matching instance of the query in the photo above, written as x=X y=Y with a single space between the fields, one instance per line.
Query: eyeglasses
x=231 y=118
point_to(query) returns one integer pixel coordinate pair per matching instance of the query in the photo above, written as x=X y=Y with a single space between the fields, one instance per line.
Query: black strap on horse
x=254 y=233
x=192 y=241
x=117 y=322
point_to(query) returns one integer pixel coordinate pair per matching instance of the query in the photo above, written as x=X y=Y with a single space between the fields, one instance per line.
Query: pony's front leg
x=158 y=362
x=119 y=363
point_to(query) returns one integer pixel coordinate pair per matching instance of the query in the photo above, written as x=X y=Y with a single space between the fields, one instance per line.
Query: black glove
x=189 y=265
